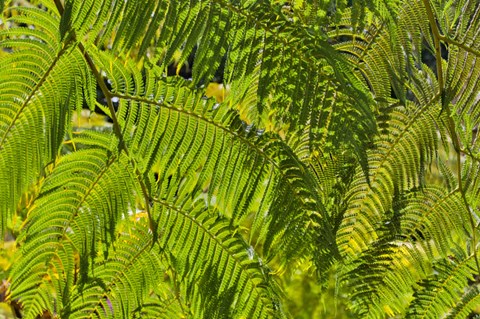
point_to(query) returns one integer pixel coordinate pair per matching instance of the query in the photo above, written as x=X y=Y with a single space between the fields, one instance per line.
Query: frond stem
x=211 y=235
x=460 y=45
x=118 y=132
x=59 y=5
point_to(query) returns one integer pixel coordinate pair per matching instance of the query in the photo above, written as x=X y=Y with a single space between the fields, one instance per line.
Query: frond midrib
x=444 y=284
x=211 y=122
x=216 y=239
x=33 y=92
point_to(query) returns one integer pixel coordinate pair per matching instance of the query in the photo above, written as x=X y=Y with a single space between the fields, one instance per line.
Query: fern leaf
x=177 y=130
x=437 y=294
x=38 y=104
x=392 y=169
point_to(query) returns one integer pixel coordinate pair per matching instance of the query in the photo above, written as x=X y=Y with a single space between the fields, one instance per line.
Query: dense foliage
x=259 y=159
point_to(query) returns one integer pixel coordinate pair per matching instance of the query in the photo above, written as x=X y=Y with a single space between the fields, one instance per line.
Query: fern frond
x=220 y=31
x=390 y=268
x=81 y=207
x=423 y=218
x=117 y=285
x=38 y=89
x=396 y=164
x=205 y=249
x=459 y=38
x=436 y=295
x=156 y=307
x=468 y=303
x=314 y=159
x=174 y=130
x=373 y=53
x=409 y=241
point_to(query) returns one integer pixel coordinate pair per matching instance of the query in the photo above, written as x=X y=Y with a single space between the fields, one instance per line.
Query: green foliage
x=333 y=173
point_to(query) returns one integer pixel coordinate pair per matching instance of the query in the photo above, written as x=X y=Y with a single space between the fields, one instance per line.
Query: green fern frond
x=373 y=53
x=458 y=36
x=218 y=31
x=423 y=217
x=185 y=229
x=117 y=285
x=467 y=304
x=317 y=157
x=82 y=207
x=175 y=130
x=438 y=293
x=39 y=87
x=204 y=249
x=382 y=276
x=409 y=240
x=397 y=163
x=156 y=307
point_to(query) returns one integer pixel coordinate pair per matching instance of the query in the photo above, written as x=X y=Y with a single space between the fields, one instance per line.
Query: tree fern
x=343 y=143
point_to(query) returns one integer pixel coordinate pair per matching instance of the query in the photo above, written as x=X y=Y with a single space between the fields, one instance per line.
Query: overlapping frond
x=372 y=54
x=118 y=284
x=318 y=151
x=397 y=163
x=446 y=287
x=84 y=208
x=41 y=81
x=175 y=131
x=81 y=201
x=468 y=303
x=411 y=238
x=173 y=135
x=206 y=250
x=240 y=41
x=393 y=227
x=459 y=36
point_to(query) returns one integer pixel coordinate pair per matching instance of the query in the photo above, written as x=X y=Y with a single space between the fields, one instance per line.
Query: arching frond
x=176 y=131
x=195 y=239
x=397 y=163
x=206 y=249
x=467 y=304
x=41 y=81
x=239 y=41
x=341 y=143
x=81 y=207
x=410 y=239
x=439 y=292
